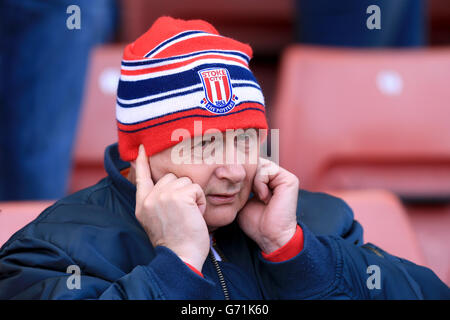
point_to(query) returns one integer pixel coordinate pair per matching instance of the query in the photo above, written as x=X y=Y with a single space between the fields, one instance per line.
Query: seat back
x=431 y=223
x=385 y=222
x=15 y=215
x=366 y=119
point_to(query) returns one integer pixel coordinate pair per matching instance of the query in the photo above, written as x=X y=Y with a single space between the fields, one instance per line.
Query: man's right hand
x=171 y=212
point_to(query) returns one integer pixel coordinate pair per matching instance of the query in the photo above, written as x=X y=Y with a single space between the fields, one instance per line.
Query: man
x=200 y=218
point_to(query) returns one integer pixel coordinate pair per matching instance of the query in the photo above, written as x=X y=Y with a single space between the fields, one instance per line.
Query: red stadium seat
x=431 y=224
x=17 y=214
x=419 y=234
x=385 y=222
x=97 y=126
x=366 y=119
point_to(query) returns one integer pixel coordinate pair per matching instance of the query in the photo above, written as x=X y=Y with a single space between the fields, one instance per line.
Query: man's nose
x=235 y=173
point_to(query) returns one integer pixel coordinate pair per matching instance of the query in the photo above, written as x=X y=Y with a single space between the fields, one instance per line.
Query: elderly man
x=200 y=218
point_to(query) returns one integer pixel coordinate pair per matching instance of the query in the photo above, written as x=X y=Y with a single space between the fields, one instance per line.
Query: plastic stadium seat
x=366 y=119
x=359 y=118
x=385 y=222
x=419 y=234
x=17 y=214
x=97 y=127
x=431 y=224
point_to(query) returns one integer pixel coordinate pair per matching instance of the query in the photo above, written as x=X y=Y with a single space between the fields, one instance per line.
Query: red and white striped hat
x=179 y=72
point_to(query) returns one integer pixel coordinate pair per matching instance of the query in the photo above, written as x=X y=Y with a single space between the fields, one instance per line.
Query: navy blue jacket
x=96 y=230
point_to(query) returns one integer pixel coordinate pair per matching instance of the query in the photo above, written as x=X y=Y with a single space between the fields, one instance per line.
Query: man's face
x=226 y=184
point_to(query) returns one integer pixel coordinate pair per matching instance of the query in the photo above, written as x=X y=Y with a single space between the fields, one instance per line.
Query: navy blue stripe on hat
x=159 y=60
x=183 y=34
x=181 y=93
x=128 y=90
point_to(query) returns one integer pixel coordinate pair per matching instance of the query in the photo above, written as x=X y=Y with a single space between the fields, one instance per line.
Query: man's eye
x=243 y=141
x=241 y=138
x=202 y=144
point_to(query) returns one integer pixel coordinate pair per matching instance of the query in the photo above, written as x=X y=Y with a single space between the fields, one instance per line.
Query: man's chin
x=220 y=217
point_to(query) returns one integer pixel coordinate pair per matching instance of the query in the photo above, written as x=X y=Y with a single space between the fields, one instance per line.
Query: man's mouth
x=221 y=198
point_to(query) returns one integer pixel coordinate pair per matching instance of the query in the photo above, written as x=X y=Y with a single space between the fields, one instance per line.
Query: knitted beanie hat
x=179 y=72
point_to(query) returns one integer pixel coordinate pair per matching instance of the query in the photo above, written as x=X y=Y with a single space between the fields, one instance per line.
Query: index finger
x=144 y=182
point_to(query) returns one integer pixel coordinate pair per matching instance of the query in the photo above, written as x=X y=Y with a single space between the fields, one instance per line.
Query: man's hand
x=171 y=212
x=270 y=217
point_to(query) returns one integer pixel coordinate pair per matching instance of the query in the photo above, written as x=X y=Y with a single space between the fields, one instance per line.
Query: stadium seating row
x=360 y=119
x=366 y=119
x=268 y=25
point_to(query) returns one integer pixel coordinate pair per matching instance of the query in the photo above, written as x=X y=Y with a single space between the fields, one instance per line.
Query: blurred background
x=360 y=95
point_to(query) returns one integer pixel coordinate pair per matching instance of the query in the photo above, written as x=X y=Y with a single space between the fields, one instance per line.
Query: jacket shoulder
x=94 y=206
x=327 y=215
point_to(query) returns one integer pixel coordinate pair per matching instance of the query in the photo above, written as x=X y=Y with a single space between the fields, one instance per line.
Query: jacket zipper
x=219 y=271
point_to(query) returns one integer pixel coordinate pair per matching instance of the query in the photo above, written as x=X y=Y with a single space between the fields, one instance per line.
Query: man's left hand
x=270 y=217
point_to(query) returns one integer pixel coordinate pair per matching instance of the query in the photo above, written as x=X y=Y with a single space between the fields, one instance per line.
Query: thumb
x=144 y=182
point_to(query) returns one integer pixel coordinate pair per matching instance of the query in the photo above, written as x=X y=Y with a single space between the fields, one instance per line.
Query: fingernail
x=140 y=151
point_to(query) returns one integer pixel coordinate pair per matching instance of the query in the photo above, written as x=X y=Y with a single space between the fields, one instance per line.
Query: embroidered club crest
x=219 y=97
